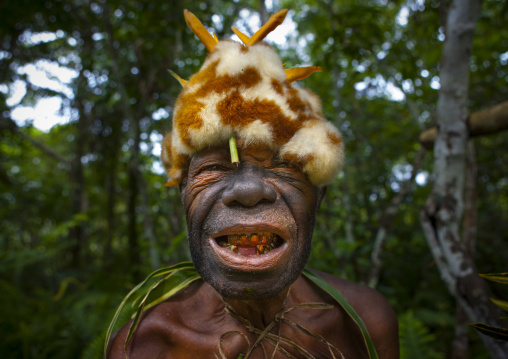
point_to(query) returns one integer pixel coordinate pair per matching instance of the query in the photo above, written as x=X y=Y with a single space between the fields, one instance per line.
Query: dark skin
x=263 y=194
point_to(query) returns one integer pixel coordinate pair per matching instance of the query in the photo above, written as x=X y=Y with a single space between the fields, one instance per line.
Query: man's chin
x=249 y=277
x=241 y=288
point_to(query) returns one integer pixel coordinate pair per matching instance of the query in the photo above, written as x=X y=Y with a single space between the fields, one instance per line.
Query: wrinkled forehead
x=215 y=152
x=253 y=152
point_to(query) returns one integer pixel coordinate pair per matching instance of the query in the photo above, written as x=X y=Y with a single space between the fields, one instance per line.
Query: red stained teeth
x=264 y=241
x=252 y=239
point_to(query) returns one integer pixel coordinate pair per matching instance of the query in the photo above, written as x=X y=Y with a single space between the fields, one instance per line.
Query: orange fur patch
x=295 y=103
x=236 y=111
x=336 y=140
x=277 y=86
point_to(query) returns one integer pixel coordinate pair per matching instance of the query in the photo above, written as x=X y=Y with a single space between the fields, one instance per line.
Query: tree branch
x=428 y=225
x=52 y=154
x=490 y=120
x=11 y=126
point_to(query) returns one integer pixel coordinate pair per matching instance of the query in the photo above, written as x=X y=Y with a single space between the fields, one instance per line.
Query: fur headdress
x=243 y=91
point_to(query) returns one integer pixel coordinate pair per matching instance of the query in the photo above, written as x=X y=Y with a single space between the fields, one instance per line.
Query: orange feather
x=199 y=30
x=274 y=21
x=299 y=73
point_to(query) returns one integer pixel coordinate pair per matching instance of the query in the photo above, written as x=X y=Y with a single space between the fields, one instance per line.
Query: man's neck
x=259 y=313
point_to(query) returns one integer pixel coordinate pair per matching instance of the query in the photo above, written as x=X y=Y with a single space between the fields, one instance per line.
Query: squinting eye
x=211 y=168
x=282 y=165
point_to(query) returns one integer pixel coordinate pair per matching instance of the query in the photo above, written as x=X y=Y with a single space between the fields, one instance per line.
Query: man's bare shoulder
x=364 y=300
x=168 y=324
x=375 y=311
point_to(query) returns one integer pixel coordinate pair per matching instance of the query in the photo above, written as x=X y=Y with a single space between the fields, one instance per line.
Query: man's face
x=249 y=226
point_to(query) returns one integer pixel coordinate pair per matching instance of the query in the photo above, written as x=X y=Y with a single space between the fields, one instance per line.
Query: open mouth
x=248 y=244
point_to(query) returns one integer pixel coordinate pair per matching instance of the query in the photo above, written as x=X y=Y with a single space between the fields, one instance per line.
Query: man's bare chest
x=304 y=334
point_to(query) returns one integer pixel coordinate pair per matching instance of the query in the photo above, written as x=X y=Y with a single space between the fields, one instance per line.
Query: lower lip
x=255 y=263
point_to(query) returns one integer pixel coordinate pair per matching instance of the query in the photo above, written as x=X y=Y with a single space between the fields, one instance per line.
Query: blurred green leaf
x=491 y=331
x=496 y=277
x=500 y=303
x=416 y=341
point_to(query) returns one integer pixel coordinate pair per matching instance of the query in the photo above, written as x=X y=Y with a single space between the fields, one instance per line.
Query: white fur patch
x=212 y=131
x=179 y=146
x=312 y=140
x=269 y=62
x=233 y=60
x=311 y=99
x=255 y=132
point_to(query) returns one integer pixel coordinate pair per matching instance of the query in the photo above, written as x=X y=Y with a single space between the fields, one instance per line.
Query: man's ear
x=321 y=195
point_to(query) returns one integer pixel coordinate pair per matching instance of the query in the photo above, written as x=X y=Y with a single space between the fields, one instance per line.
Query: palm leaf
x=140 y=310
x=183 y=281
x=496 y=277
x=165 y=288
x=500 y=303
x=320 y=282
x=144 y=287
x=491 y=331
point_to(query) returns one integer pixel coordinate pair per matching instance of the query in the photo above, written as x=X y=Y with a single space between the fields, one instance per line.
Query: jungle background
x=84 y=212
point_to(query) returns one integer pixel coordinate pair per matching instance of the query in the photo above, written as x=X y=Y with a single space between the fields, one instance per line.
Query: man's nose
x=248 y=188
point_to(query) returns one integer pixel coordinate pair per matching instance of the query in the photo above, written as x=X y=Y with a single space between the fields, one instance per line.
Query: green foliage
x=95 y=349
x=416 y=341
x=500 y=303
x=490 y=330
x=496 y=277
x=42 y=311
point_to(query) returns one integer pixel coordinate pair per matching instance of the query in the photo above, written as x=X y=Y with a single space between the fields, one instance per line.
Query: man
x=250 y=218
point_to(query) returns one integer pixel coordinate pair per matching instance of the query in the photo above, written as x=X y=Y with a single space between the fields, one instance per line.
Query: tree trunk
x=470 y=197
x=134 y=257
x=263 y=14
x=441 y=218
x=490 y=120
x=77 y=179
x=77 y=197
x=112 y=154
x=460 y=342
